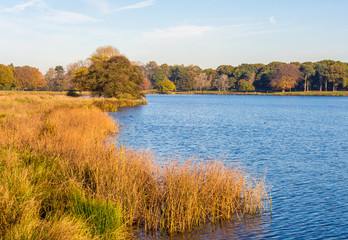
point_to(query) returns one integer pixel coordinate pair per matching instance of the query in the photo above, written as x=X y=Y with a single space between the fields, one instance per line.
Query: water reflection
x=250 y=227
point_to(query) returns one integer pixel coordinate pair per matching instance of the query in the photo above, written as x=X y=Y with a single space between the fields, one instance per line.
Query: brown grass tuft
x=59 y=176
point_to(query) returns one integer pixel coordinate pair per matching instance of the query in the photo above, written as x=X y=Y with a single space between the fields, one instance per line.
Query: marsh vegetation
x=60 y=177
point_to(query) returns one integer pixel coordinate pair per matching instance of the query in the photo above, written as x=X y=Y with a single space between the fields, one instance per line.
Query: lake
x=299 y=143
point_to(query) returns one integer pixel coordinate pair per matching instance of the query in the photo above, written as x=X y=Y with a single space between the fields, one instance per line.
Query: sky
x=207 y=33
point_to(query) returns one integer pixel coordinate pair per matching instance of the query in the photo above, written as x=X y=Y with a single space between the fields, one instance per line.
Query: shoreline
x=310 y=93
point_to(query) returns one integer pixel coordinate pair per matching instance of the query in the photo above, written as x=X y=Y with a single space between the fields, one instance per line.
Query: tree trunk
x=305 y=84
x=320 y=85
x=325 y=84
x=333 y=87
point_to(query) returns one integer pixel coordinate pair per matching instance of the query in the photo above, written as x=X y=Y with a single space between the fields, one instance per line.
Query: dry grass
x=59 y=177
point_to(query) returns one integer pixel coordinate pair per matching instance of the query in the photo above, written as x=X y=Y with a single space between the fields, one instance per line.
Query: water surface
x=300 y=143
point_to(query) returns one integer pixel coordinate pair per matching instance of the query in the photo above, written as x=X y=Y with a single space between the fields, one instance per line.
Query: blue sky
x=46 y=33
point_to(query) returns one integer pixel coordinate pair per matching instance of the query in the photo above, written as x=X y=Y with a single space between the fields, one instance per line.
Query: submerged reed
x=59 y=177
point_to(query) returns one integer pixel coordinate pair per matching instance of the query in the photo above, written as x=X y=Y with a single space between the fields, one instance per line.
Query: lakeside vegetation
x=309 y=93
x=108 y=73
x=60 y=178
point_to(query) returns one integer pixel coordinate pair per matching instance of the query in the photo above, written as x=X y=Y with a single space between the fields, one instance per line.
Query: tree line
x=108 y=73
x=327 y=75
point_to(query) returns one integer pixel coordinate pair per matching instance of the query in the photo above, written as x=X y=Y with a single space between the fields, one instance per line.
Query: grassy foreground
x=61 y=179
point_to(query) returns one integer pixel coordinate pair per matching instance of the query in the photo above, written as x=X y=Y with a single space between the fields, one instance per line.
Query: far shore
x=309 y=93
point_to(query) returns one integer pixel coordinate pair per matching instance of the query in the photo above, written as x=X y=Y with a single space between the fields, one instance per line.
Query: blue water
x=299 y=143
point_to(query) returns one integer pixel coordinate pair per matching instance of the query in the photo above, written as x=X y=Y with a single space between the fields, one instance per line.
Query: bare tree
x=202 y=82
x=222 y=82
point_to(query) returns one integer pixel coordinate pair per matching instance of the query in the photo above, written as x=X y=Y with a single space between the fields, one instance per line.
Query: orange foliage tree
x=28 y=78
x=285 y=76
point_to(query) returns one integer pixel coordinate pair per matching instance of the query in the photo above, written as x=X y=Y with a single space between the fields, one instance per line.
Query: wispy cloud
x=21 y=7
x=108 y=8
x=50 y=14
x=137 y=5
x=68 y=17
x=272 y=20
x=178 y=32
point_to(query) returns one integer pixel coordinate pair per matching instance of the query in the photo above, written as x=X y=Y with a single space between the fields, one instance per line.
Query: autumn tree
x=51 y=76
x=264 y=76
x=166 y=86
x=222 y=83
x=337 y=74
x=6 y=76
x=165 y=69
x=158 y=77
x=28 y=78
x=115 y=77
x=285 y=76
x=201 y=82
x=149 y=70
x=212 y=75
x=70 y=71
x=104 y=53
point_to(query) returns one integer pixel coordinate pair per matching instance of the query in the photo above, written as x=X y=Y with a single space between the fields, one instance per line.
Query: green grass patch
x=104 y=217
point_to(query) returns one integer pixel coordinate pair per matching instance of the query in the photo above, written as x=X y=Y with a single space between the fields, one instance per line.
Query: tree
x=201 y=82
x=28 y=78
x=264 y=76
x=51 y=76
x=285 y=76
x=222 y=83
x=146 y=84
x=116 y=77
x=337 y=74
x=104 y=53
x=320 y=70
x=308 y=71
x=71 y=68
x=245 y=86
x=166 y=69
x=158 y=77
x=166 y=86
x=6 y=76
x=225 y=69
x=55 y=79
x=80 y=79
x=149 y=70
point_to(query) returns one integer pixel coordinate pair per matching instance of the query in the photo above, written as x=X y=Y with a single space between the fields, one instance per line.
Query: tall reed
x=59 y=175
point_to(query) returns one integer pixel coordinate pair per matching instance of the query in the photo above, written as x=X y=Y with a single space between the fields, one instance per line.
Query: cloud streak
x=137 y=5
x=178 y=32
x=68 y=17
x=107 y=8
x=50 y=14
x=21 y=7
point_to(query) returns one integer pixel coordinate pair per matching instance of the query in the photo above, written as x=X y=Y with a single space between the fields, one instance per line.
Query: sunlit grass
x=60 y=177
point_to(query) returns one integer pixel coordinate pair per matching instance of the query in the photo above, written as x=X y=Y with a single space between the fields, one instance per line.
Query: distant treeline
x=326 y=75
x=308 y=76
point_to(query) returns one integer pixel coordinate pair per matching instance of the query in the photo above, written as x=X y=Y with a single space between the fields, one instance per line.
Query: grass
x=61 y=179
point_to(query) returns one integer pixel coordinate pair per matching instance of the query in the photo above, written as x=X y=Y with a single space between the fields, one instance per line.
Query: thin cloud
x=272 y=20
x=21 y=7
x=51 y=14
x=178 y=32
x=68 y=17
x=107 y=8
x=137 y=5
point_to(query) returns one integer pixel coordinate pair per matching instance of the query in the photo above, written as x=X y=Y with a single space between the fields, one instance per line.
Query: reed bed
x=61 y=179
